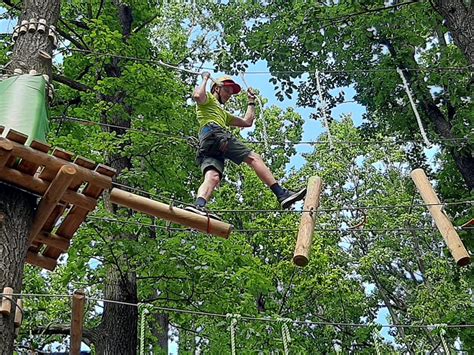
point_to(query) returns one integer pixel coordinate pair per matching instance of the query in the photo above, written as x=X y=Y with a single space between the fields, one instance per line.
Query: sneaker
x=202 y=211
x=288 y=198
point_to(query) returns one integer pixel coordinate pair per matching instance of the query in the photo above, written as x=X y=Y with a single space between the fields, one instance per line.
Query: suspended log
x=308 y=220
x=173 y=214
x=77 y=321
x=51 y=198
x=6 y=306
x=445 y=227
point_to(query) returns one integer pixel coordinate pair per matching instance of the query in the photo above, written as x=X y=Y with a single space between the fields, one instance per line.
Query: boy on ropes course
x=216 y=144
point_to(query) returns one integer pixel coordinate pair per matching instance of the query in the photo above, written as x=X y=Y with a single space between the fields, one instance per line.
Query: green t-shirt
x=213 y=112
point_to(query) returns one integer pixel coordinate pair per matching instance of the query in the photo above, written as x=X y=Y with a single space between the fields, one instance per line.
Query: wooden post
x=308 y=219
x=6 y=307
x=18 y=313
x=77 y=321
x=445 y=227
x=51 y=198
x=176 y=215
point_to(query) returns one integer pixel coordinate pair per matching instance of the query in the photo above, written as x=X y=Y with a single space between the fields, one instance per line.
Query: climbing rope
x=413 y=106
x=323 y=110
x=144 y=312
x=260 y=115
x=285 y=334
x=233 y=324
x=375 y=336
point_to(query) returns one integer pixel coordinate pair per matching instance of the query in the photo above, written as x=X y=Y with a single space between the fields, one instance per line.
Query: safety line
x=392 y=141
x=268 y=230
x=170 y=66
x=250 y=318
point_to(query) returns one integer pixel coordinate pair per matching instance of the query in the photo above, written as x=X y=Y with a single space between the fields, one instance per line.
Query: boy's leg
x=261 y=169
x=284 y=196
x=211 y=179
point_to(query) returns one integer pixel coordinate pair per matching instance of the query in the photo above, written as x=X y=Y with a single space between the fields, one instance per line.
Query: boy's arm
x=249 y=117
x=200 y=95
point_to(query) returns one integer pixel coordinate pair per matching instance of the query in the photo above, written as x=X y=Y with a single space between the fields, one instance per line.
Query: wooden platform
x=69 y=188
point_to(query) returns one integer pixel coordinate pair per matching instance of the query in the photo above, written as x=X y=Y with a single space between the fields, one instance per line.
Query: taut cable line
x=244 y=317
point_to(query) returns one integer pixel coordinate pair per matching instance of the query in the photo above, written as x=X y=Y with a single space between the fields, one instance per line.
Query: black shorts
x=216 y=145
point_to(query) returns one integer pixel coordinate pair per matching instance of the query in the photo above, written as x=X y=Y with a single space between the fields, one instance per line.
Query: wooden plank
x=6 y=306
x=53 y=240
x=16 y=136
x=176 y=215
x=6 y=148
x=308 y=220
x=58 y=211
x=51 y=198
x=49 y=173
x=55 y=164
x=77 y=321
x=2 y=128
x=40 y=186
x=30 y=167
x=19 y=138
x=41 y=261
x=77 y=215
x=445 y=227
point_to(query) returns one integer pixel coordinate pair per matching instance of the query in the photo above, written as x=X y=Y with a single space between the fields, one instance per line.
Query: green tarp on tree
x=23 y=106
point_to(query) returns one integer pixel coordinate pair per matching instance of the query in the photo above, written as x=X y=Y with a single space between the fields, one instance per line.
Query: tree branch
x=71 y=83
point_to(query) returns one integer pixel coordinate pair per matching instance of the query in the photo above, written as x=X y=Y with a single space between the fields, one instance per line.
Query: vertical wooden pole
x=308 y=220
x=18 y=313
x=77 y=321
x=6 y=307
x=445 y=227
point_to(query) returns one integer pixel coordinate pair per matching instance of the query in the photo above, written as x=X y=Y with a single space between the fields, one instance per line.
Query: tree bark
x=26 y=50
x=16 y=217
x=17 y=208
x=160 y=329
x=119 y=322
x=459 y=16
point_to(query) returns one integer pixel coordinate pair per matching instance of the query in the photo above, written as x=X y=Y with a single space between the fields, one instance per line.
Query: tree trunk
x=17 y=207
x=119 y=322
x=160 y=329
x=16 y=217
x=25 y=52
x=459 y=16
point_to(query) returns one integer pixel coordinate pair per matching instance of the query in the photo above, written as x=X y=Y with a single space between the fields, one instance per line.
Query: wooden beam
x=52 y=162
x=445 y=227
x=176 y=215
x=77 y=321
x=18 y=313
x=6 y=148
x=40 y=186
x=53 y=240
x=41 y=261
x=51 y=198
x=6 y=306
x=308 y=220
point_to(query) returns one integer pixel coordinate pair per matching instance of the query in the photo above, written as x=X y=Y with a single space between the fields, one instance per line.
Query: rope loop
x=143 y=308
x=285 y=333
x=233 y=323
